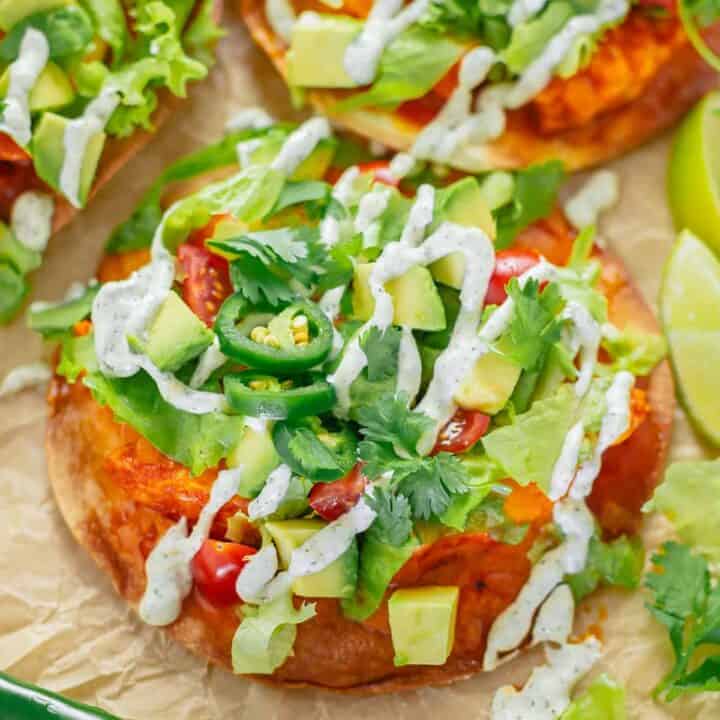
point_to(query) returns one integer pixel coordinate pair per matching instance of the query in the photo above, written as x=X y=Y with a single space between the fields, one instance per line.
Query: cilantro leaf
x=381 y=349
x=534 y=326
x=688 y=604
x=535 y=193
x=256 y=282
x=389 y=420
x=393 y=523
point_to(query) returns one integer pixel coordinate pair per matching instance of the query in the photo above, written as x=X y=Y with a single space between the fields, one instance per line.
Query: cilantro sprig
x=687 y=602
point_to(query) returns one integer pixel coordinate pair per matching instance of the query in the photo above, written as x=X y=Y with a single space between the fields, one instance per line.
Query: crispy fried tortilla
x=680 y=79
x=98 y=470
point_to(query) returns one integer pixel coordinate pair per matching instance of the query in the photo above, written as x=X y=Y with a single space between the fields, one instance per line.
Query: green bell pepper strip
x=276 y=402
x=21 y=701
x=235 y=341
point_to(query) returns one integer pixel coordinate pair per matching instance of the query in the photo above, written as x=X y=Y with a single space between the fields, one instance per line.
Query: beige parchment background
x=62 y=626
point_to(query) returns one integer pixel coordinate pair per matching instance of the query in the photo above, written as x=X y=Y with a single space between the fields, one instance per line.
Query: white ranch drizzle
x=281 y=17
x=252 y=118
x=24 y=376
x=555 y=617
x=522 y=10
x=31 y=219
x=588 y=334
x=300 y=144
x=78 y=134
x=409 y=365
x=169 y=577
x=245 y=150
x=372 y=206
x=546 y=694
x=212 y=359
x=385 y=22
x=344 y=188
x=564 y=469
x=420 y=216
x=599 y=193
x=257 y=574
x=272 y=494
x=329 y=303
x=15 y=119
x=401 y=165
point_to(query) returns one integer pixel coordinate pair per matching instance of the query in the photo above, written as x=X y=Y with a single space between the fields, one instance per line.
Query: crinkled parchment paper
x=62 y=626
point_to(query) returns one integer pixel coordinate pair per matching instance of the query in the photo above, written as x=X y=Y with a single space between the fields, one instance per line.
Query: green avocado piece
x=416 y=300
x=422 y=624
x=256 y=454
x=48 y=151
x=59 y=318
x=13 y=289
x=461 y=203
x=337 y=580
x=52 y=90
x=12 y=251
x=489 y=385
x=175 y=335
x=317 y=51
x=12 y=11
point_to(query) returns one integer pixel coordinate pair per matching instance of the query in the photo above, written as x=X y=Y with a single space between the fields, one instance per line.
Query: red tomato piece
x=508 y=264
x=333 y=499
x=207 y=281
x=199 y=236
x=216 y=567
x=380 y=171
x=10 y=151
x=464 y=429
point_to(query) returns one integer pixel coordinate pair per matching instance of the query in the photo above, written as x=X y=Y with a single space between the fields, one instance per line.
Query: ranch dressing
x=300 y=144
x=546 y=694
x=257 y=573
x=78 y=134
x=31 y=219
x=24 y=376
x=15 y=119
x=566 y=464
x=252 y=118
x=385 y=22
x=555 y=617
x=281 y=18
x=211 y=360
x=601 y=192
x=587 y=334
x=169 y=576
x=272 y=494
x=372 y=206
x=522 y=10
x=409 y=365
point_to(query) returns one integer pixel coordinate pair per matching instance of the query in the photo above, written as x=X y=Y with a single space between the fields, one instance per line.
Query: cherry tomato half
x=380 y=170
x=508 y=264
x=464 y=429
x=199 y=236
x=10 y=150
x=333 y=499
x=216 y=567
x=207 y=281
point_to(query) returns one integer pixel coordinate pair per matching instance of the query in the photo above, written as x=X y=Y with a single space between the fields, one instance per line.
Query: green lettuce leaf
x=690 y=498
x=53 y=319
x=634 y=350
x=77 y=355
x=415 y=61
x=109 y=19
x=265 y=637
x=202 y=33
x=603 y=700
x=196 y=441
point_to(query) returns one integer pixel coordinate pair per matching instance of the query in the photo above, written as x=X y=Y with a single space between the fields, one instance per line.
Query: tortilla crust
x=330 y=652
x=675 y=88
x=119 y=151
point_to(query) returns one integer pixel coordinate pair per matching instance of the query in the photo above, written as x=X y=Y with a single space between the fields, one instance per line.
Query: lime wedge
x=690 y=308
x=694 y=172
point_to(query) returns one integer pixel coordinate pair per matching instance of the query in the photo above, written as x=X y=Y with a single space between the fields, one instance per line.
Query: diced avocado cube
x=490 y=384
x=317 y=51
x=416 y=300
x=14 y=252
x=49 y=153
x=462 y=203
x=257 y=456
x=422 y=624
x=12 y=11
x=337 y=580
x=176 y=335
x=52 y=90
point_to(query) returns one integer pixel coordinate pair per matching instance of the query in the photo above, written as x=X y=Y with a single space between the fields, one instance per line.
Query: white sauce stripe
x=272 y=494
x=25 y=376
x=257 y=574
x=210 y=361
x=566 y=465
x=300 y=145
x=15 y=119
x=253 y=118
x=409 y=365
x=601 y=192
x=555 y=617
x=31 y=219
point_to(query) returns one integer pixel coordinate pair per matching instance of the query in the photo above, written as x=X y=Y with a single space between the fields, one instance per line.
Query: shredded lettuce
x=109 y=19
x=265 y=637
x=603 y=700
x=77 y=355
x=690 y=498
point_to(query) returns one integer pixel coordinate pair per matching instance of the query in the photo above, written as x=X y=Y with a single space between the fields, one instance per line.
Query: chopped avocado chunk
x=416 y=300
x=49 y=153
x=52 y=90
x=422 y=623
x=12 y=11
x=338 y=580
x=12 y=251
x=176 y=335
x=461 y=203
x=256 y=454
x=489 y=385
x=317 y=51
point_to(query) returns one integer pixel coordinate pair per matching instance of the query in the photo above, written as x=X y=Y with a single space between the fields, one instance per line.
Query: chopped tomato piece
x=380 y=171
x=199 y=236
x=10 y=151
x=447 y=84
x=216 y=567
x=206 y=283
x=465 y=428
x=508 y=264
x=333 y=499
x=423 y=110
